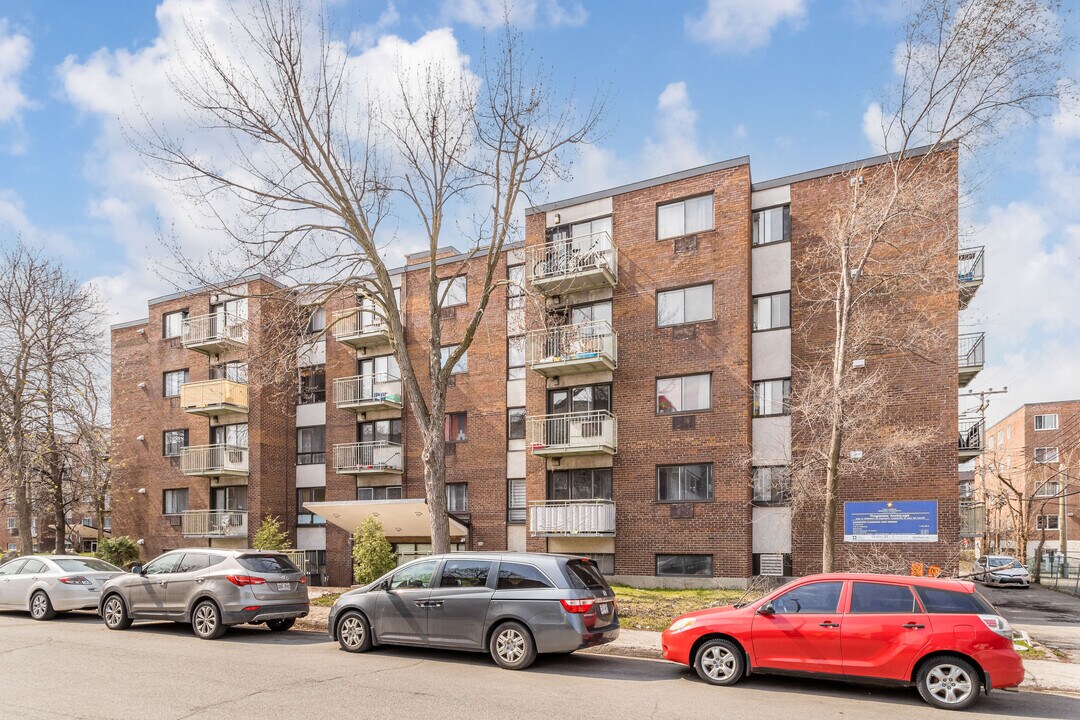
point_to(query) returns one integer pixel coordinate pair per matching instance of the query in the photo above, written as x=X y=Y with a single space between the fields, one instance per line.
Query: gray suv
x=210 y=588
x=512 y=605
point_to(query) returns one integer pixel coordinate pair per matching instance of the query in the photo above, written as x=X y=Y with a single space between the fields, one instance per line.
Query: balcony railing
x=580 y=518
x=971 y=438
x=972 y=519
x=377 y=391
x=362 y=458
x=214 y=460
x=970 y=271
x=213 y=333
x=214 y=523
x=593 y=432
x=569 y=349
x=584 y=262
x=212 y=397
x=360 y=327
x=970 y=357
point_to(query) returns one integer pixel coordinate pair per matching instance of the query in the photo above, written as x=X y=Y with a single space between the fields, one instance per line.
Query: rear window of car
x=585 y=575
x=515 y=576
x=882 y=598
x=936 y=600
x=267 y=564
x=85 y=565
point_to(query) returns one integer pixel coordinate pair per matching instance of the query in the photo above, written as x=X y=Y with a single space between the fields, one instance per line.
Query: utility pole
x=980 y=412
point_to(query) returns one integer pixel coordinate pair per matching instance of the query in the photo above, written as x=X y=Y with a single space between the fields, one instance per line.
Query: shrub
x=373 y=556
x=271 y=535
x=121 y=551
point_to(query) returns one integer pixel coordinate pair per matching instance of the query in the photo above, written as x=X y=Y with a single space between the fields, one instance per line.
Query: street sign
x=897 y=521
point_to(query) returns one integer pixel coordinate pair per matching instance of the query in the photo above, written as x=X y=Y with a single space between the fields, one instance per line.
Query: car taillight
x=242 y=580
x=577 y=606
x=302 y=580
x=75 y=580
x=998 y=624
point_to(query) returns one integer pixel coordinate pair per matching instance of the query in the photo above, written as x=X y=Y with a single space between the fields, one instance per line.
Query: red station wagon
x=939 y=635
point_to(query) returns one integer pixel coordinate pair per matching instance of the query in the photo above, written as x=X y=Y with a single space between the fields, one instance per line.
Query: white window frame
x=681 y=380
x=516 y=512
x=165 y=324
x=1035 y=422
x=1056 y=457
x=453 y=291
x=1053 y=486
x=683 y=290
x=461 y=366
x=1043 y=521
x=769 y=300
x=464 y=488
x=186 y=372
x=683 y=230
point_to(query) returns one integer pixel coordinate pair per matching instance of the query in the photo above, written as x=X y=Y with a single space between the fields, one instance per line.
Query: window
x=772 y=225
x=86 y=522
x=464 y=573
x=311 y=445
x=457 y=497
x=684 y=483
x=1046 y=455
x=772 y=485
x=172 y=382
x=173 y=441
x=414 y=577
x=683 y=394
x=457 y=426
x=235 y=435
x=452 y=292
x=586 y=484
x=1050 y=488
x=772 y=311
x=379 y=431
x=316 y=321
x=686 y=305
x=696 y=565
x=515 y=500
x=1046 y=522
x=1000 y=437
x=107 y=524
x=684 y=217
x=515 y=358
x=515 y=423
x=585 y=575
x=312 y=384
x=174 y=502
x=990 y=442
x=12 y=523
x=1008 y=432
x=518 y=576
x=33 y=567
x=306 y=495
x=172 y=324
x=1046 y=422
x=161 y=565
x=461 y=366
x=951 y=601
x=882 y=598
x=267 y=564
x=772 y=397
x=389 y=492
x=599 y=312
x=84 y=564
x=193 y=562
x=819 y=597
x=515 y=290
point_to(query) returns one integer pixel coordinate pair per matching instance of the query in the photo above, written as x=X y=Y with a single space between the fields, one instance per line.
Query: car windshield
x=1004 y=563
x=85 y=565
x=267 y=564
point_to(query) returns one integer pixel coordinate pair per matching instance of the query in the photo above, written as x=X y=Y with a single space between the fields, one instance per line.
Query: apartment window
x=1000 y=437
x=967 y=490
x=1008 y=432
x=106 y=525
x=174 y=502
x=1046 y=522
x=452 y=292
x=316 y=321
x=311 y=445
x=457 y=427
x=235 y=371
x=1046 y=455
x=684 y=217
x=990 y=442
x=772 y=397
x=312 y=384
x=305 y=495
x=457 y=498
x=172 y=382
x=172 y=324
x=389 y=492
x=515 y=358
x=515 y=289
x=692 y=565
x=686 y=393
x=235 y=435
x=588 y=484
x=379 y=431
x=772 y=311
x=11 y=523
x=515 y=500
x=87 y=522
x=1050 y=488
x=685 y=305
x=173 y=441
x=772 y=485
x=684 y=483
x=1046 y=422
x=772 y=225
x=515 y=423
x=461 y=366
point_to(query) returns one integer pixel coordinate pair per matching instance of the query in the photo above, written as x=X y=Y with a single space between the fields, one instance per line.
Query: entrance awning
x=399 y=518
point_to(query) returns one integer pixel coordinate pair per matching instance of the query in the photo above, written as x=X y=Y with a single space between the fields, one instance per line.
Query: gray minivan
x=512 y=605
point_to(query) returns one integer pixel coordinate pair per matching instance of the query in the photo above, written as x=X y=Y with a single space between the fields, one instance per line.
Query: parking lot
x=1050 y=617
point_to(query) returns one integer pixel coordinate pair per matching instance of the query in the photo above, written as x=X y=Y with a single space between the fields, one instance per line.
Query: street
x=74 y=667
x=1049 y=616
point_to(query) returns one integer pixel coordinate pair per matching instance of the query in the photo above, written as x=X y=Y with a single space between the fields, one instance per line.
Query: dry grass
x=655 y=609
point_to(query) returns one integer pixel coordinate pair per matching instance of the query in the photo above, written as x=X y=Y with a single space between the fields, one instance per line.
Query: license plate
x=284 y=586
x=604 y=607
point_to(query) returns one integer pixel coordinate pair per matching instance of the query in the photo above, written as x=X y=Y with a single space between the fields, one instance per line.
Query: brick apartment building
x=625 y=397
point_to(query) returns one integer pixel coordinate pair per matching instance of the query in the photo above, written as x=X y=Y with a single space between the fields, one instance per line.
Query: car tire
x=720 y=662
x=512 y=647
x=206 y=621
x=353 y=632
x=115 y=614
x=41 y=606
x=948 y=683
x=281 y=625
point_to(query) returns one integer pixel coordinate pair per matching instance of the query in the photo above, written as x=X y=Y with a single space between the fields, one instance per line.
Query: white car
x=48 y=584
x=1001 y=570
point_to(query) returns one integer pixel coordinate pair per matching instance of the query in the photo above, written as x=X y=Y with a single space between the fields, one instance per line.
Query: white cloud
x=522 y=13
x=368 y=35
x=15 y=223
x=15 y=51
x=741 y=25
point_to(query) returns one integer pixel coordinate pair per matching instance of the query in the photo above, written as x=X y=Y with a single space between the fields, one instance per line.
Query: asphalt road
x=1047 y=615
x=73 y=667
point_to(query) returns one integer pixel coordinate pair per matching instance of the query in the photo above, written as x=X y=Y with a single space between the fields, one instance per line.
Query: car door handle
x=162 y=583
x=200 y=580
x=912 y=626
x=829 y=624
x=434 y=603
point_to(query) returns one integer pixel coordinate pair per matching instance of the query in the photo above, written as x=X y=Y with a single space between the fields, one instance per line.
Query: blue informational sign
x=891 y=521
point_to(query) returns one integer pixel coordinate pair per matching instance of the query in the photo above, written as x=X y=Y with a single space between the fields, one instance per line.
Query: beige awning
x=399 y=518
x=88 y=533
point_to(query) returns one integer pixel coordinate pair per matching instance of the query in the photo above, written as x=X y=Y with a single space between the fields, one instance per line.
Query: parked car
x=512 y=605
x=939 y=635
x=210 y=588
x=48 y=584
x=1002 y=570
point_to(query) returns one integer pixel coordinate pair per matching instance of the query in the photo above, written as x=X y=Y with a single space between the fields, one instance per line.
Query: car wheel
x=949 y=683
x=512 y=646
x=41 y=607
x=115 y=614
x=281 y=625
x=720 y=662
x=354 y=632
x=206 y=621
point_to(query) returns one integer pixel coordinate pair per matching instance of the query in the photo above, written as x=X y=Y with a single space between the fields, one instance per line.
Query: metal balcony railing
x=586 y=433
x=360 y=327
x=214 y=396
x=377 y=390
x=972 y=518
x=972 y=433
x=583 y=518
x=970 y=270
x=583 y=347
x=380 y=456
x=214 y=460
x=214 y=523
x=577 y=263
x=971 y=350
x=213 y=331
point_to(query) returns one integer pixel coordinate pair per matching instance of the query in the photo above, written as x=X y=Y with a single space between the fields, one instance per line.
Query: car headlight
x=682 y=624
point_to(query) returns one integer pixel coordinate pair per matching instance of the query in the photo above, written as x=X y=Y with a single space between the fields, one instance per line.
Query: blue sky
x=785 y=81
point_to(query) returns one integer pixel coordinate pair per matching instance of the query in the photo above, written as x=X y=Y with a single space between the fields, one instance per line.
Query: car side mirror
x=385 y=585
x=136 y=569
x=766 y=609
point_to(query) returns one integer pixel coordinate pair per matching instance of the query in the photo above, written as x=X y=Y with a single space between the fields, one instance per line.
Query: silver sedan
x=48 y=584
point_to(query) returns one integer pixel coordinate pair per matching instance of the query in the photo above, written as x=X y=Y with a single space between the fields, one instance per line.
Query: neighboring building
x=632 y=405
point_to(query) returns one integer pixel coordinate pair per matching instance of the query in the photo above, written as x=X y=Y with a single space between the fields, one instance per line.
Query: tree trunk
x=60 y=517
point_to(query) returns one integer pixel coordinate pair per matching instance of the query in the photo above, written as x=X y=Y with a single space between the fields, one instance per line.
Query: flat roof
x=205 y=288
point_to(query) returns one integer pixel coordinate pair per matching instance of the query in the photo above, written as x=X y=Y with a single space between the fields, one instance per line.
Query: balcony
x=970 y=273
x=592 y=432
x=214 y=460
x=368 y=458
x=214 y=523
x=360 y=328
x=970 y=357
x=972 y=434
x=572 y=349
x=587 y=262
x=972 y=519
x=214 y=334
x=365 y=393
x=572 y=518
x=214 y=397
